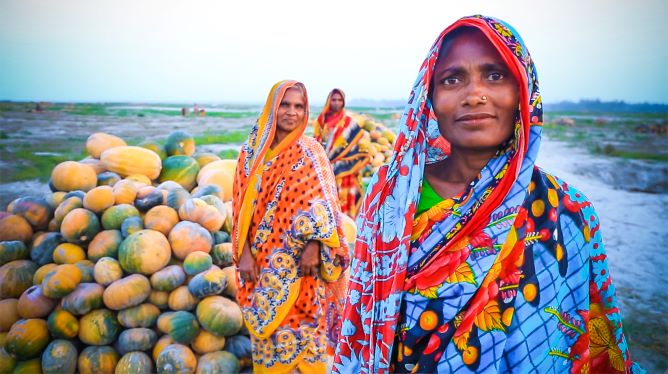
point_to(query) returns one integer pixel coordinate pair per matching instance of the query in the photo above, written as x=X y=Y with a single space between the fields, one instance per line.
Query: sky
x=234 y=51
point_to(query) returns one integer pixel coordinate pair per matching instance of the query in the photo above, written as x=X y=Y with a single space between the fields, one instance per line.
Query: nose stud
x=483 y=98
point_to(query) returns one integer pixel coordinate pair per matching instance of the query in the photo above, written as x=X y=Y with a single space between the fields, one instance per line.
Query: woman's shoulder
x=550 y=181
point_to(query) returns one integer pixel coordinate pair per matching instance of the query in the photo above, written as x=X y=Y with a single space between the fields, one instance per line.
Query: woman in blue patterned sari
x=470 y=258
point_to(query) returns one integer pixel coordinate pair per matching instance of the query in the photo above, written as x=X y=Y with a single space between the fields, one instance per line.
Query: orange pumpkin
x=68 y=205
x=36 y=210
x=42 y=271
x=98 y=360
x=161 y=218
x=73 y=176
x=159 y=299
x=13 y=227
x=62 y=281
x=33 y=304
x=129 y=160
x=68 y=253
x=139 y=180
x=27 y=338
x=99 y=199
x=127 y=292
x=9 y=313
x=63 y=324
x=125 y=192
x=105 y=244
x=206 y=342
x=182 y=299
x=161 y=344
x=80 y=226
x=208 y=211
x=187 y=237
x=99 y=142
x=94 y=163
x=107 y=270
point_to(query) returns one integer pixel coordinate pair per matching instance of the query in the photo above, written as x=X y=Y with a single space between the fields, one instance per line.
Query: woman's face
x=291 y=111
x=336 y=102
x=475 y=96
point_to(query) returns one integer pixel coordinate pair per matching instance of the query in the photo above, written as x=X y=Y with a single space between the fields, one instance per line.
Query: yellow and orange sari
x=340 y=135
x=283 y=198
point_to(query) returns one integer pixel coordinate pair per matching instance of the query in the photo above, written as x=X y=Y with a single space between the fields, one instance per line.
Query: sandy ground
x=635 y=234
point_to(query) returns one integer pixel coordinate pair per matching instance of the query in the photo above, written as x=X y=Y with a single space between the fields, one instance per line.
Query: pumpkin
x=9 y=313
x=177 y=197
x=73 y=176
x=99 y=142
x=62 y=281
x=63 y=324
x=180 y=169
x=43 y=246
x=33 y=304
x=159 y=299
x=107 y=178
x=143 y=315
x=60 y=356
x=145 y=252
x=68 y=253
x=206 y=342
x=107 y=270
x=220 y=237
x=7 y=362
x=218 y=362
x=205 y=158
x=139 y=180
x=126 y=292
x=13 y=250
x=220 y=173
x=168 y=278
x=208 y=189
x=98 y=327
x=164 y=322
x=148 y=197
x=155 y=147
x=211 y=217
x=42 y=271
x=87 y=268
x=125 y=192
x=240 y=347
x=27 y=338
x=232 y=287
x=223 y=254
x=161 y=218
x=105 y=244
x=229 y=221
x=180 y=143
x=161 y=344
x=99 y=199
x=135 y=363
x=349 y=229
x=113 y=218
x=128 y=160
x=33 y=366
x=35 y=210
x=98 y=360
x=80 y=226
x=84 y=298
x=197 y=262
x=187 y=237
x=131 y=225
x=181 y=299
x=176 y=358
x=16 y=277
x=210 y=282
x=55 y=198
x=169 y=186
x=13 y=227
x=94 y=163
x=219 y=315
x=136 y=339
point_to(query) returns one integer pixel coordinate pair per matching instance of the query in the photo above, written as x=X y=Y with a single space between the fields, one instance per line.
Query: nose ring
x=483 y=97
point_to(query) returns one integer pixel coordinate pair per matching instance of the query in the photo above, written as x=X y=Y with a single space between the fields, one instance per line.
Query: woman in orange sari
x=290 y=252
x=340 y=135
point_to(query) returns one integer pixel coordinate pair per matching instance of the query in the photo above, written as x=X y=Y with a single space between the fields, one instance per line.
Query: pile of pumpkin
x=125 y=267
x=379 y=144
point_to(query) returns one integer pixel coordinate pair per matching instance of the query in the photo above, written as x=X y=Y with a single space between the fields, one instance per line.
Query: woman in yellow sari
x=289 y=249
x=340 y=135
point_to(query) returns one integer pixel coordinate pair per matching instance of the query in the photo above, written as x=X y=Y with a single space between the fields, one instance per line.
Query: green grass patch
x=228 y=137
x=40 y=166
x=226 y=154
x=610 y=150
x=3 y=135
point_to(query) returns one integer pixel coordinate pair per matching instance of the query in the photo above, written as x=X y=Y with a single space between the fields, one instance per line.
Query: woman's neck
x=453 y=175
x=279 y=135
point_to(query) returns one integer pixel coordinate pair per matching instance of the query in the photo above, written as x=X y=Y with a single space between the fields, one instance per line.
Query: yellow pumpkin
x=63 y=324
x=62 y=281
x=159 y=299
x=161 y=344
x=209 y=216
x=107 y=270
x=145 y=252
x=219 y=177
x=161 y=218
x=98 y=360
x=129 y=160
x=127 y=292
x=80 y=226
x=206 y=342
x=13 y=227
x=68 y=253
x=42 y=271
x=98 y=327
x=205 y=158
x=181 y=299
x=99 y=142
x=27 y=338
x=139 y=180
x=72 y=176
x=105 y=244
x=125 y=192
x=187 y=237
x=94 y=163
x=99 y=198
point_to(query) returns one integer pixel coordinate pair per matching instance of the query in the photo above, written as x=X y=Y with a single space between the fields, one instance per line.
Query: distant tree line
x=596 y=105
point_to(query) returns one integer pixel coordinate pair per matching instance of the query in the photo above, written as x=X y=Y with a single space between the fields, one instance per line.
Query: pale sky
x=233 y=51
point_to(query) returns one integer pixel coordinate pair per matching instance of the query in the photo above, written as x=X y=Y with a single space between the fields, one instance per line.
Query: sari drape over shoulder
x=283 y=198
x=341 y=135
x=511 y=276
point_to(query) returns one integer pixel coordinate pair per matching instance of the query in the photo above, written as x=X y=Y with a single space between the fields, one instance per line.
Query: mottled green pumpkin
x=84 y=298
x=161 y=344
x=43 y=246
x=220 y=237
x=131 y=225
x=136 y=339
x=87 y=268
x=127 y=292
x=232 y=287
x=180 y=169
x=240 y=347
x=98 y=360
x=143 y=315
x=183 y=327
x=218 y=362
x=33 y=366
x=164 y=322
x=63 y=324
x=176 y=358
x=27 y=338
x=7 y=362
x=62 y=281
x=13 y=250
x=36 y=210
x=98 y=327
x=208 y=283
x=155 y=147
x=33 y=304
x=68 y=253
x=80 y=226
x=180 y=142
x=177 y=197
x=197 y=262
x=16 y=277
x=107 y=178
x=159 y=299
x=208 y=189
x=148 y=197
x=181 y=299
x=68 y=205
x=105 y=244
x=42 y=271
x=9 y=313
x=144 y=252
x=135 y=363
x=168 y=278
x=219 y=315
x=204 y=158
x=223 y=254
x=113 y=218
x=107 y=270
x=60 y=356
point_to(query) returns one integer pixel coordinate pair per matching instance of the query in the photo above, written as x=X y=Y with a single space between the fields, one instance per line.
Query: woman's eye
x=450 y=81
x=495 y=76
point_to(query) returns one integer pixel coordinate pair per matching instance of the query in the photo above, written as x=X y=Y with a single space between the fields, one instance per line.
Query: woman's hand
x=247 y=267
x=310 y=259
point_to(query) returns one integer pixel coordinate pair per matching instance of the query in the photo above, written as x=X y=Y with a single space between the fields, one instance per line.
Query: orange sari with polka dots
x=285 y=197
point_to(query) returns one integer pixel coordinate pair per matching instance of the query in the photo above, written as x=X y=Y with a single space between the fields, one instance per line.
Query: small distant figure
x=202 y=112
x=184 y=111
x=38 y=107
